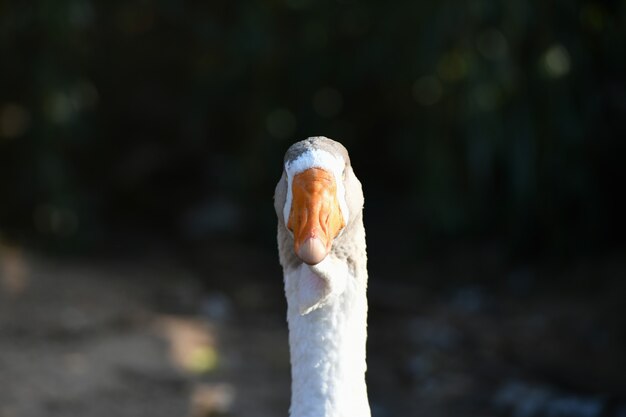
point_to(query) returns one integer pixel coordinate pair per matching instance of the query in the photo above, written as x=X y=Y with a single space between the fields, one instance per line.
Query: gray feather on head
x=316 y=142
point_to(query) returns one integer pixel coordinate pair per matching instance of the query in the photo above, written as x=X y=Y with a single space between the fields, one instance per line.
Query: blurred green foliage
x=478 y=119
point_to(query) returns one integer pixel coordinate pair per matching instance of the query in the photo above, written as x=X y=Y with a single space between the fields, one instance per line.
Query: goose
x=321 y=245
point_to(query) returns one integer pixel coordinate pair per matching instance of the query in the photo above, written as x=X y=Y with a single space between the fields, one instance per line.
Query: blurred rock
x=216 y=306
x=431 y=334
x=192 y=343
x=520 y=281
x=420 y=366
x=212 y=400
x=522 y=399
x=13 y=270
x=470 y=299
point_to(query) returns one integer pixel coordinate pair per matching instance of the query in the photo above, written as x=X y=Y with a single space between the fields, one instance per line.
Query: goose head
x=318 y=200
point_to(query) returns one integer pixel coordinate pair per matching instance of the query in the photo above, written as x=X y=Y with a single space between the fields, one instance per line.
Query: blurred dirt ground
x=149 y=337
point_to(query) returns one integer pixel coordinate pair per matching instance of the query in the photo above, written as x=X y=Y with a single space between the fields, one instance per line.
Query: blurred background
x=140 y=143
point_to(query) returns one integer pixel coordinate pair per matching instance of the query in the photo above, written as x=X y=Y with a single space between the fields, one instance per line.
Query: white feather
x=326 y=341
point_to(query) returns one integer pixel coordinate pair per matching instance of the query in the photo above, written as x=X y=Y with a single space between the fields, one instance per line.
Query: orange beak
x=315 y=218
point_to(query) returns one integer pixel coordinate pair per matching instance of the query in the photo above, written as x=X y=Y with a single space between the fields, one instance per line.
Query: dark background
x=489 y=138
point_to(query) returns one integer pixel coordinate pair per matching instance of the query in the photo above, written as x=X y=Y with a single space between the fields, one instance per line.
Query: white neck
x=327 y=341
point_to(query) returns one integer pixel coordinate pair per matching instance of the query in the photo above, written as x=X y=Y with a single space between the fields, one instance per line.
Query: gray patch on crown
x=316 y=142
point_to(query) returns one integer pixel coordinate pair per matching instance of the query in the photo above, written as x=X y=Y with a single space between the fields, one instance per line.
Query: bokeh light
x=281 y=123
x=556 y=61
x=427 y=90
x=327 y=102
